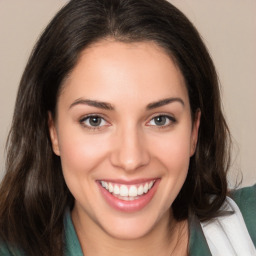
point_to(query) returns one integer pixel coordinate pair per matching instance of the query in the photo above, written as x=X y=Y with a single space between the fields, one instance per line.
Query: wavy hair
x=33 y=193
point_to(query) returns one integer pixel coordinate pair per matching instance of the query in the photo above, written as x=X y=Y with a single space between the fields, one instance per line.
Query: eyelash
x=82 y=121
x=91 y=127
x=171 y=120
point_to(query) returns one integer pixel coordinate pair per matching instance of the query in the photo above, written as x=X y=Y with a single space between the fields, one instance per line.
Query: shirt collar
x=72 y=245
x=197 y=242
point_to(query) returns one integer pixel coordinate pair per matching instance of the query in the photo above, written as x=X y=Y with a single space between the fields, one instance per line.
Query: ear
x=194 y=134
x=53 y=134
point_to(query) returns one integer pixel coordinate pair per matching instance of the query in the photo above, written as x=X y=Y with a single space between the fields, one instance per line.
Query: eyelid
x=86 y=117
x=170 y=117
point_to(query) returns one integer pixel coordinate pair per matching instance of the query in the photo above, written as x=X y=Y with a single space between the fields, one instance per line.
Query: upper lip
x=129 y=182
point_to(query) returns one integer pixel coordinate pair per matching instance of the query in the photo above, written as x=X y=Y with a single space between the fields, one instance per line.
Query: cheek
x=174 y=150
x=80 y=154
x=80 y=158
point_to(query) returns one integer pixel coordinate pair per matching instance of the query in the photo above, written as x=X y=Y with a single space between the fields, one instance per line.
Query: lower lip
x=129 y=206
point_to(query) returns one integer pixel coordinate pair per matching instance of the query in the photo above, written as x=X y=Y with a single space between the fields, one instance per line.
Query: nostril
x=130 y=162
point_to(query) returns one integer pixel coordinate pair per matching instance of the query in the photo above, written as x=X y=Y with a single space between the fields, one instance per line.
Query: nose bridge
x=130 y=152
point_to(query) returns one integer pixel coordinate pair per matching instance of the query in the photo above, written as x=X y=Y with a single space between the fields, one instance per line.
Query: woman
x=118 y=144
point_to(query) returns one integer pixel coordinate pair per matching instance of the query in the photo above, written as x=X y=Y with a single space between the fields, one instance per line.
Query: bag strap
x=228 y=235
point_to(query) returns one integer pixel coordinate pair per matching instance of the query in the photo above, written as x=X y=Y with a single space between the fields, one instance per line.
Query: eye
x=93 y=122
x=162 y=120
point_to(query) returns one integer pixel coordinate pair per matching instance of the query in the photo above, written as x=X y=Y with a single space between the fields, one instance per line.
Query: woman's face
x=124 y=133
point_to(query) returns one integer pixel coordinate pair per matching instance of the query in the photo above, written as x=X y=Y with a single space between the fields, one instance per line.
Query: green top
x=245 y=198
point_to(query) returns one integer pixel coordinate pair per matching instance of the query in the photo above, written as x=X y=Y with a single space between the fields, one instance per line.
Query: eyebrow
x=163 y=102
x=93 y=103
x=108 y=106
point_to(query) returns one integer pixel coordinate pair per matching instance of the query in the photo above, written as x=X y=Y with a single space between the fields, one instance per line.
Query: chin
x=135 y=227
x=128 y=231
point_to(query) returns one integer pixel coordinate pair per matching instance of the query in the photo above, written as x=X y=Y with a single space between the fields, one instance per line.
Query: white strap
x=228 y=235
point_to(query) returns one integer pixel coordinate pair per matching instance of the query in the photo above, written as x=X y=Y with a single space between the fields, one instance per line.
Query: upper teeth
x=127 y=190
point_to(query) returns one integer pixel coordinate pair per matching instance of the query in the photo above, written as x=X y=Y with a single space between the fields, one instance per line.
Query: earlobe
x=194 y=135
x=53 y=134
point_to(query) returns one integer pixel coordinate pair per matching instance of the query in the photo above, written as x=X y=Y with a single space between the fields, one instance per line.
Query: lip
x=129 y=182
x=129 y=206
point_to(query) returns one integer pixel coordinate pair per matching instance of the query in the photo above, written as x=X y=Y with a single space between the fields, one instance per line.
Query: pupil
x=160 y=120
x=95 y=121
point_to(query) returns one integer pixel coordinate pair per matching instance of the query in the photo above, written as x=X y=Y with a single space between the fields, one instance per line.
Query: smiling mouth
x=128 y=192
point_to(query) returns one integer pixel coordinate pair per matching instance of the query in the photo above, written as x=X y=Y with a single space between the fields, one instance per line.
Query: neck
x=168 y=237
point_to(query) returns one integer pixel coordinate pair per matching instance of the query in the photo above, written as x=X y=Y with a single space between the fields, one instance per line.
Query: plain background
x=228 y=28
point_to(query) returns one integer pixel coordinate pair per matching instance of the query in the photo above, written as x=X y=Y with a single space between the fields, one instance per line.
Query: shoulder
x=245 y=198
x=248 y=193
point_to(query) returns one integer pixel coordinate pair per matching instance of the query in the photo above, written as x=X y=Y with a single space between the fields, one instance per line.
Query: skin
x=128 y=144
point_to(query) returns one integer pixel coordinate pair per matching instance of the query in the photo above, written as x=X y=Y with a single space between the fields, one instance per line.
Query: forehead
x=110 y=70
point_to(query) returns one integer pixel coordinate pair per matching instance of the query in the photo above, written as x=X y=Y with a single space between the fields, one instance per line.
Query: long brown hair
x=33 y=193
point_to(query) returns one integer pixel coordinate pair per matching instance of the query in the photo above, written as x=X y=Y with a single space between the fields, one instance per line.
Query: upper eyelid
x=89 y=127
x=148 y=119
x=93 y=115
x=86 y=117
x=171 y=116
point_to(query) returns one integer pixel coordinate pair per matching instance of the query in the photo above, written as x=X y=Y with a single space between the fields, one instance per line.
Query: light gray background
x=229 y=31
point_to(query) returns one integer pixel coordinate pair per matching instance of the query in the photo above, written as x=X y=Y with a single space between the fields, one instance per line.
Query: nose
x=130 y=151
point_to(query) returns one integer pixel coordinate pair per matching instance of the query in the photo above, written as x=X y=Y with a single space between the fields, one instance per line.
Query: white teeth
x=116 y=190
x=103 y=184
x=123 y=190
x=133 y=191
x=110 y=188
x=145 y=189
x=140 y=190
x=127 y=198
x=127 y=192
